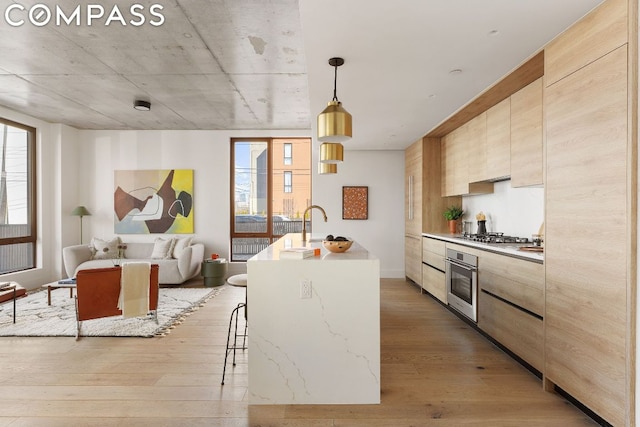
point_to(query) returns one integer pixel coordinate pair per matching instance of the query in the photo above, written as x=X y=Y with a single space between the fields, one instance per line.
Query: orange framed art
x=355 y=202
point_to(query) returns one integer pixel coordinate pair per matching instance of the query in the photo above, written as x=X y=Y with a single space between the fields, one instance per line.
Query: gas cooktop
x=494 y=237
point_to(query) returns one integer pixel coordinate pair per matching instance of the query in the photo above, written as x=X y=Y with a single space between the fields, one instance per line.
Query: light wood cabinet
x=518 y=331
x=413 y=211
x=413 y=189
x=477 y=149
x=499 y=140
x=597 y=34
x=433 y=268
x=526 y=136
x=511 y=304
x=413 y=258
x=590 y=170
x=455 y=164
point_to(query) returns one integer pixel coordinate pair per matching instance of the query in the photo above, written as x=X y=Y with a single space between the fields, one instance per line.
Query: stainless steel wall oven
x=462 y=282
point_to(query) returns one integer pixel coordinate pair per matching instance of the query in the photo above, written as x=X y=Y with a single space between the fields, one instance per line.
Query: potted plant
x=453 y=214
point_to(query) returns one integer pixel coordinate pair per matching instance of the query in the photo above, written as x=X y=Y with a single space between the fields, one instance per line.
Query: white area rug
x=34 y=318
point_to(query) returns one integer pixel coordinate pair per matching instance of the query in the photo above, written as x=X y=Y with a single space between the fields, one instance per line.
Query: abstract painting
x=355 y=202
x=153 y=201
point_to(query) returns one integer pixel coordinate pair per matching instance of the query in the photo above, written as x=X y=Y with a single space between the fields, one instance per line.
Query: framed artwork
x=355 y=202
x=153 y=201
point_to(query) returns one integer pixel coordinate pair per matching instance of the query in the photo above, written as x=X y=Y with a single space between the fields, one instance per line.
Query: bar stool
x=239 y=280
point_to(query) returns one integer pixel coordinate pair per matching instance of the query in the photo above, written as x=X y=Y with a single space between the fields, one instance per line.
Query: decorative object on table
x=153 y=201
x=296 y=253
x=482 y=223
x=120 y=254
x=80 y=211
x=36 y=318
x=355 y=202
x=453 y=215
x=337 y=244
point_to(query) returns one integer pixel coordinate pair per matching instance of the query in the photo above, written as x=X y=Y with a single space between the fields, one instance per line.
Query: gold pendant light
x=327 y=168
x=334 y=123
x=331 y=152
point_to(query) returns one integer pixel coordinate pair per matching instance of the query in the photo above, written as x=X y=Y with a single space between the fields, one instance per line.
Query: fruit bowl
x=337 y=246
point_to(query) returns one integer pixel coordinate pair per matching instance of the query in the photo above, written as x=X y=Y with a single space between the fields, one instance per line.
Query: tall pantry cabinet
x=423 y=204
x=413 y=212
x=591 y=168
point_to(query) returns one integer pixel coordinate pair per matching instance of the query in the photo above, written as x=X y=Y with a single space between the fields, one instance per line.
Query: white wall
x=383 y=232
x=512 y=211
x=207 y=153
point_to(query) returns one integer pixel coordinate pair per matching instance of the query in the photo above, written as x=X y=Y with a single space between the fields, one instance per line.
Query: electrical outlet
x=305 y=289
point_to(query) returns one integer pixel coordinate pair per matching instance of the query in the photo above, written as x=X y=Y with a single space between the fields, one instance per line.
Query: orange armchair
x=98 y=291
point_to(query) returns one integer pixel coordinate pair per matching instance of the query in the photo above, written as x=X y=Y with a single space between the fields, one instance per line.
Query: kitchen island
x=319 y=350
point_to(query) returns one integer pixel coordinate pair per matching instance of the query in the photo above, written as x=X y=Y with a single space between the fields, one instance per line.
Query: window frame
x=32 y=206
x=287 y=160
x=287 y=183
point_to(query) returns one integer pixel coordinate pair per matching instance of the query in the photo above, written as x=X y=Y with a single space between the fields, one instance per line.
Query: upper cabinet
x=477 y=148
x=526 y=136
x=591 y=38
x=460 y=150
x=499 y=140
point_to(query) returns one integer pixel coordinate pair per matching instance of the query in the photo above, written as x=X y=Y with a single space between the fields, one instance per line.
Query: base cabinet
x=413 y=258
x=434 y=282
x=520 y=332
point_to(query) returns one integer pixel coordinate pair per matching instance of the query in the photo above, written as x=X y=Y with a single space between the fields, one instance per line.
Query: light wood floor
x=436 y=371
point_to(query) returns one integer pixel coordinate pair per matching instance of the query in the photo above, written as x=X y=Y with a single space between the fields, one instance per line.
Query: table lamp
x=80 y=211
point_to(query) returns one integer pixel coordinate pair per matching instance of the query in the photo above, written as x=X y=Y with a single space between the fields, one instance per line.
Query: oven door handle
x=463 y=266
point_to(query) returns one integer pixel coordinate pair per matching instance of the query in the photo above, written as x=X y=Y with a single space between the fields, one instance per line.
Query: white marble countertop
x=511 y=249
x=294 y=240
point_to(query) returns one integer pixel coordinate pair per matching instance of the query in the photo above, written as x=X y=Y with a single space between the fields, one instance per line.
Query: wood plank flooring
x=436 y=371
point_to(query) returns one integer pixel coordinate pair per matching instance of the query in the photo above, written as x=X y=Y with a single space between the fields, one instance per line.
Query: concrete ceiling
x=257 y=64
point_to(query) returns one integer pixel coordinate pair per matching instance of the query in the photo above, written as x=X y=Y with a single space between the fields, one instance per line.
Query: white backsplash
x=513 y=211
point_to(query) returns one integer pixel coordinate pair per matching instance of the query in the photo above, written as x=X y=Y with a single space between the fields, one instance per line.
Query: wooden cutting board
x=531 y=248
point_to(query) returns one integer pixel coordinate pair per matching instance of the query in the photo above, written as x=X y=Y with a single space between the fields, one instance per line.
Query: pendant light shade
x=331 y=152
x=327 y=168
x=334 y=123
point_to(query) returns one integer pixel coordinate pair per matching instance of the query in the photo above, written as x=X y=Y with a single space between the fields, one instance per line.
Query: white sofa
x=172 y=271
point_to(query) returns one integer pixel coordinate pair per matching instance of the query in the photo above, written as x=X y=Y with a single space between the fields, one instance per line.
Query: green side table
x=214 y=272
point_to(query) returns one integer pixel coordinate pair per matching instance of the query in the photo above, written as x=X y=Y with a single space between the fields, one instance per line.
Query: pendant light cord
x=335 y=83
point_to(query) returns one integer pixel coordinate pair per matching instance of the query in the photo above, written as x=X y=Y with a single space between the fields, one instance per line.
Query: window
x=287 y=148
x=17 y=197
x=267 y=200
x=287 y=182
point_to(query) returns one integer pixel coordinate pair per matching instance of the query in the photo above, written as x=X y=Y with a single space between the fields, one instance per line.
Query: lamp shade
x=80 y=211
x=327 y=168
x=334 y=123
x=331 y=152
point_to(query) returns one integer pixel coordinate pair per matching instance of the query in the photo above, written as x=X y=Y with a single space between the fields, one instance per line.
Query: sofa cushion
x=162 y=249
x=180 y=244
x=104 y=249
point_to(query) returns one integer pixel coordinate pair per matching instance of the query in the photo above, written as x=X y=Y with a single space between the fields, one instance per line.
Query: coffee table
x=55 y=285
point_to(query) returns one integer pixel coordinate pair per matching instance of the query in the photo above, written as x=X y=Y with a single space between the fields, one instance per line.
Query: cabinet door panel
x=413 y=258
x=518 y=331
x=586 y=316
x=499 y=140
x=526 y=135
x=434 y=282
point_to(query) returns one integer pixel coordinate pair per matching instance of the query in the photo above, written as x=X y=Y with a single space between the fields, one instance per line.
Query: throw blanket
x=134 y=289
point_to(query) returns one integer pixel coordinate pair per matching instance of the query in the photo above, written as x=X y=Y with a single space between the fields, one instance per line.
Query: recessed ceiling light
x=455 y=71
x=141 y=105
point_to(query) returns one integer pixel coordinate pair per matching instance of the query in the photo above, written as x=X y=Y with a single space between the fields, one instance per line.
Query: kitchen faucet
x=304 y=221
